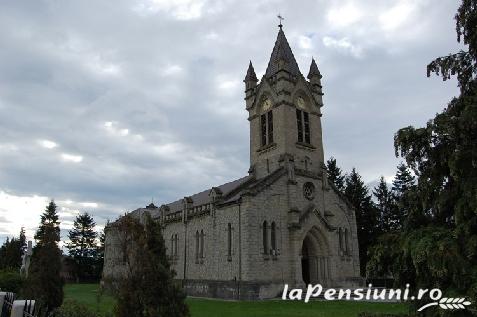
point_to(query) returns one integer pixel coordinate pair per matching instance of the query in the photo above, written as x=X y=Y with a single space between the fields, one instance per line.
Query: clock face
x=300 y=102
x=267 y=104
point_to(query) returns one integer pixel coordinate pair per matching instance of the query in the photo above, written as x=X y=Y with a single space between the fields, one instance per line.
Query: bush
x=71 y=308
x=11 y=281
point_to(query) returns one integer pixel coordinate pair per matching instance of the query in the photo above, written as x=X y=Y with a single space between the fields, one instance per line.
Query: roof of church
x=227 y=190
x=203 y=197
x=282 y=50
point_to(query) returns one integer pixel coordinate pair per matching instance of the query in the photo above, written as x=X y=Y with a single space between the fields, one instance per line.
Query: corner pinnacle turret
x=251 y=76
x=314 y=71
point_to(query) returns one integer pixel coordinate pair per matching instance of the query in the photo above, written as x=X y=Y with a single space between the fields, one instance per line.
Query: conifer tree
x=388 y=213
x=44 y=282
x=83 y=245
x=402 y=188
x=366 y=216
x=335 y=175
x=148 y=289
x=12 y=250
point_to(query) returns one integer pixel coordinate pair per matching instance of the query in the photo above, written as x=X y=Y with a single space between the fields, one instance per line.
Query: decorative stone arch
x=300 y=92
x=344 y=233
x=266 y=91
x=315 y=255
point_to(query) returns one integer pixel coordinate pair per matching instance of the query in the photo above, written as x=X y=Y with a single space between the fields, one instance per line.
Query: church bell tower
x=284 y=114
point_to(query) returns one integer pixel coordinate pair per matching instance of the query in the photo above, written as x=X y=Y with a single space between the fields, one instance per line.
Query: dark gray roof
x=251 y=73
x=313 y=70
x=203 y=197
x=282 y=50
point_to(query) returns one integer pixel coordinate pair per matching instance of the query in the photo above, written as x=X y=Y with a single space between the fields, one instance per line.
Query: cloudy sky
x=105 y=105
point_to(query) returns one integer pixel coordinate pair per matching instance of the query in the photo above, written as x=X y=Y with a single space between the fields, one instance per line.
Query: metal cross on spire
x=279 y=16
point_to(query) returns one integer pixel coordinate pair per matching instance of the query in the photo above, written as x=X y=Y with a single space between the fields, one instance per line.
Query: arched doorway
x=315 y=264
x=305 y=262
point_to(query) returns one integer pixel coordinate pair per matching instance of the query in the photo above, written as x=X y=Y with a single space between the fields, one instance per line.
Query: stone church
x=283 y=223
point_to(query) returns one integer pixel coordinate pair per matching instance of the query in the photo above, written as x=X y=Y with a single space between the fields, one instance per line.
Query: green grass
x=88 y=295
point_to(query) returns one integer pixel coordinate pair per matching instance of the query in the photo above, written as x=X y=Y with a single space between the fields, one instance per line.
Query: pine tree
x=335 y=175
x=49 y=230
x=148 y=290
x=403 y=187
x=11 y=252
x=403 y=181
x=366 y=215
x=389 y=219
x=44 y=282
x=82 y=246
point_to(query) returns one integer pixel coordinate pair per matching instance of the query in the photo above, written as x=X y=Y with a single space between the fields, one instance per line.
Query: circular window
x=309 y=191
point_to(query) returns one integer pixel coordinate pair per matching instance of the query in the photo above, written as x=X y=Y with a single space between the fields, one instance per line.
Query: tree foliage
x=44 y=282
x=357 y=194
x=389 y=218
x=11 y=252
x=438 y=246
x=148 y=289
x=83 y=248
x=335 y=174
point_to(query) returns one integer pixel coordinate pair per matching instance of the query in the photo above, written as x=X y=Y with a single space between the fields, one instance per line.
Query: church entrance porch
x=315 y=260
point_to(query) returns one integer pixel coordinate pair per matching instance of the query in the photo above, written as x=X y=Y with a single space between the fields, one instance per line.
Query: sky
x=107 y=105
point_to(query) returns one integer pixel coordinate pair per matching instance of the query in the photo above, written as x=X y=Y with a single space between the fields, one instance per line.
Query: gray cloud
x=148 y=98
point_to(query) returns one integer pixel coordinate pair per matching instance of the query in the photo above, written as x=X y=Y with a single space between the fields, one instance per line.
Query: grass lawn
x=88 y=294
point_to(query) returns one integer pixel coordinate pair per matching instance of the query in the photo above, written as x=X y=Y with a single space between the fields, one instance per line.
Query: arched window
x=197 y=242
x=266 y=128
x=265 y=237
x=172 y=246
x=346 y=241
x=274 y=237
x=175 y=245
x=229 y=239
x=303 y=126
x=201 y=244
x=340 y=232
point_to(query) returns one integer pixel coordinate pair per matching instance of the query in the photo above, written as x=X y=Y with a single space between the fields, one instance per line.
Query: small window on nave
x=229 y=240
x=197 y=246
x=347 y=248
x=265 y=237
x=201 y=244
x=274 y=238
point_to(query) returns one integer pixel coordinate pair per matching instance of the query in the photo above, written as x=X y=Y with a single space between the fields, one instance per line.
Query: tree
x=366 y=215
x=83 y=246
x=335 y=175
x=49 y=230
x=11 y=252
x=403 y=187
x=388 y=214
x=148 y=289
x=44 y=282
x=438 y=247
x=403 y=181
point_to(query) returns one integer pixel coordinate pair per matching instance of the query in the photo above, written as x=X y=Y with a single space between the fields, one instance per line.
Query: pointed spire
x=314 y=71
x=282 y=52
x=250 y=74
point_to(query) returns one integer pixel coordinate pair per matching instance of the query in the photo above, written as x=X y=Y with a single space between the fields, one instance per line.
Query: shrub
x=71 y=308
x=10 y=281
